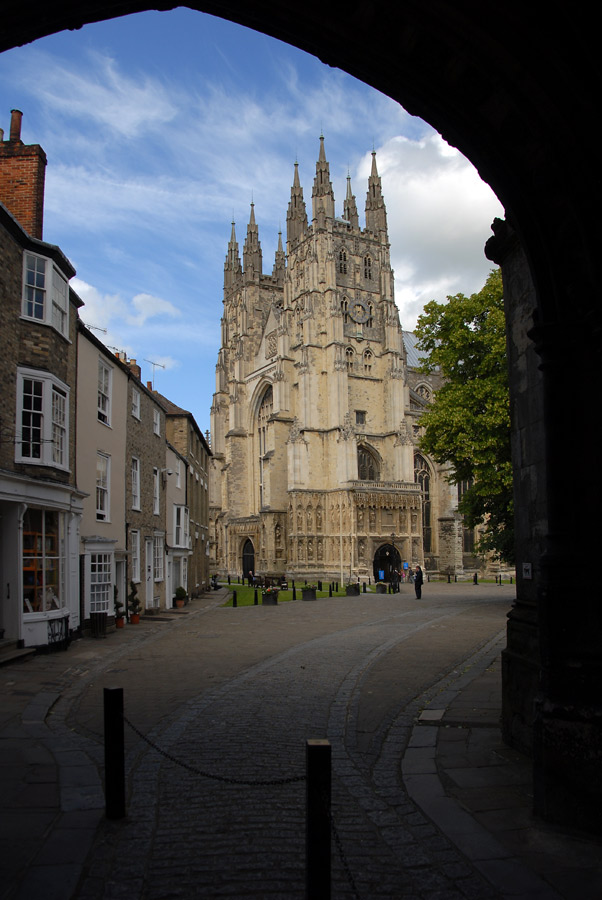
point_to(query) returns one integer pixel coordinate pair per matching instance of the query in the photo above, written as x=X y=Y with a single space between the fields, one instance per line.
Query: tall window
x=265 y=411
x=343 y=262
x=368 y=268
x=101 y=581
x=422 y=476
x=135 y=403
x=104 y=392
x=367 y=465
x=349 y=357
x=103 y=473
x=468 y=534
x=135 y=555
x=156 y=493
x=368 y=359
x=42 y=419
x=43 y=560
x=181 y=526
x=45 y=293
x=158 y=557
x=156 y=422
x=135 y=482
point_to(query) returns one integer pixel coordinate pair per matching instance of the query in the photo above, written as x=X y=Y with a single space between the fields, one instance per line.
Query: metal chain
x=292 y=779
x=339 y=843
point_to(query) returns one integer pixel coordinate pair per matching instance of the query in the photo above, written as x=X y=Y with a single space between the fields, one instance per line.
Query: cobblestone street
x=234 y=694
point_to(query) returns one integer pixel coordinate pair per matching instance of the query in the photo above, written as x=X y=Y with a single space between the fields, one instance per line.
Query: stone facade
x=315 y=414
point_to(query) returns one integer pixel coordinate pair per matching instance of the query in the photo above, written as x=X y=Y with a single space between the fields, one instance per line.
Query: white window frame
x=181 y=526
x=135 y=556
x=45 y=297
x=178 y=473
x=101 y=582
x=156 y=493
x=158 y=558
x=103 y=487
x=136 y=403
x=135 y=473
x=156 y=422
x=105 y=385
x=42 y=424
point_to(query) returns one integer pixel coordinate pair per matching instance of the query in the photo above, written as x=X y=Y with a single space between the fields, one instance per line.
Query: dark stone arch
x=515 y=90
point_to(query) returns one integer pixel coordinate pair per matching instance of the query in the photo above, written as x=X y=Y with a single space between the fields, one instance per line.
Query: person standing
x=418 y=580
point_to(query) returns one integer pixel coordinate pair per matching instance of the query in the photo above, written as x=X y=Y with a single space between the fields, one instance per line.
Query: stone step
x=10 y=652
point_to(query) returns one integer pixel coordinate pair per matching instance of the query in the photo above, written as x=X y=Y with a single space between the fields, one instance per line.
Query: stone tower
x=313 y=429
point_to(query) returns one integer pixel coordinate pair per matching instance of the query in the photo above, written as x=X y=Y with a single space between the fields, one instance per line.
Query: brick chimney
x=22 y=174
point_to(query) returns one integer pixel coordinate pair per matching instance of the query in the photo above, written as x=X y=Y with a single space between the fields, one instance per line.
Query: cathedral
x=315 y=420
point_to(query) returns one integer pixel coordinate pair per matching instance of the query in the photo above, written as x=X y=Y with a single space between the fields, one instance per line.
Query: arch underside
x=517 y=91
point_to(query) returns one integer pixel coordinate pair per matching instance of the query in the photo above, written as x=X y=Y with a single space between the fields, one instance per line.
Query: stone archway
x=386 y=560
x=515 y=93
x=248 y=558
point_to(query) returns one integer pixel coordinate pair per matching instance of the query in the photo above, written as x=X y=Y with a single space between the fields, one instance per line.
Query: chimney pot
x=149 y=385
x=15 y=124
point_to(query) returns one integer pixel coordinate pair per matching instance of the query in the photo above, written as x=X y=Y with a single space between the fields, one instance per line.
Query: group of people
x=416 y=577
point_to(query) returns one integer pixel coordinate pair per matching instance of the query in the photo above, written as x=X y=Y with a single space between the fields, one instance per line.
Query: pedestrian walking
x=418 y=580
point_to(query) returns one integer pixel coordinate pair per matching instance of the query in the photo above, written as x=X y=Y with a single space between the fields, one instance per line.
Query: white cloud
x=148 y=307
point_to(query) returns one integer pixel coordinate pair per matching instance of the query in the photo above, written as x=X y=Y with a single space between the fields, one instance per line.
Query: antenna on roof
x=154 y=365
x=95 y=328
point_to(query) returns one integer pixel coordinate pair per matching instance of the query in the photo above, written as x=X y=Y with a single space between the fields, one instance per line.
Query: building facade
x=314 y=417
x=40 y=504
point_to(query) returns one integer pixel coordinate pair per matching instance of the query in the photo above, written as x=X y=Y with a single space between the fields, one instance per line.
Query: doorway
x=386 y=560
x=248 y=558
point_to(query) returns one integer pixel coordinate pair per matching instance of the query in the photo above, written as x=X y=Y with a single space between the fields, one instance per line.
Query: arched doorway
x=482 y=76
x=248 y=558
x=386 y=560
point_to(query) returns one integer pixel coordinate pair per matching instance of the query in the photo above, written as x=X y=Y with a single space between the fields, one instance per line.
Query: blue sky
x=160 y=128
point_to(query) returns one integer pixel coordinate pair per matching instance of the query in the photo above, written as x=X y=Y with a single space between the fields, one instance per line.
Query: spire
x=296 y=217
x=350 y=207
x=232 y=266
x=376 y=213
x=279 y=261
x=322 y=194
x=251 y=256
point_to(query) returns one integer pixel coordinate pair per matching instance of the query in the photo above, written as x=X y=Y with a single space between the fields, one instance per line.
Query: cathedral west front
x=317 y=473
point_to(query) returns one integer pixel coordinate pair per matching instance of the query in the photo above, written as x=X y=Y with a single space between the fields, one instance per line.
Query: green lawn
x=245 y=596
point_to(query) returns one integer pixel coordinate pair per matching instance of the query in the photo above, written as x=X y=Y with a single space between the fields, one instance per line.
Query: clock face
x=359 y=311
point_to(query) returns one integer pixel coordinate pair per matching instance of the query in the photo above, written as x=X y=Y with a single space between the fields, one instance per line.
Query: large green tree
x=468 y=424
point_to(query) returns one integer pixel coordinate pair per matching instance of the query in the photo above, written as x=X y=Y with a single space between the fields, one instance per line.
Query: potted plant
x=269 y=596
x=118 y=605
x=181 y=597
x=381 y=587
x=308 y=591
x=353 y=589
x=134 y=605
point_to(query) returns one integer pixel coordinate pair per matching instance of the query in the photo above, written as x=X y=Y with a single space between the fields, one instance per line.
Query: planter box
x=352 y=590
x=308 y=593
x=381 y=588
x=270 y=599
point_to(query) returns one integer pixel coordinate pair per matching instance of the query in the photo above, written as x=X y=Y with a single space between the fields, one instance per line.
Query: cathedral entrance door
x=248 y=558
x=386 y=560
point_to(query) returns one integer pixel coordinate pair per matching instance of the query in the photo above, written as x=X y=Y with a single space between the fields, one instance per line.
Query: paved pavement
x=427 y=801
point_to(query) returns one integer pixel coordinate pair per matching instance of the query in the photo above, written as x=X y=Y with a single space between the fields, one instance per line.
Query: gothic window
x=263 y=416
x=370 y=320
x=368 y=358
x=345 y=310
x=360 y=417
x=367 y=465
x=343 y=262
x=368 y=268
x=423 y=391
x=422 y=476
x=350 y=357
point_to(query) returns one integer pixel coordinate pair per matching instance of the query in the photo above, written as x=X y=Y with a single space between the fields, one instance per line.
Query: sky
x=162 y=128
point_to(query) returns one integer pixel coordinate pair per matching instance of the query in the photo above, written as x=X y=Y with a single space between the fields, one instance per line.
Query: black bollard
x=114 y=754
x=475 y=579
x=294 y=591
x=228 y=579
x=234 y=599
x=255 y=600
x=364 y=587
x=317 y=823
x=330 y=589
x=319 y=585
x=448 y=578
